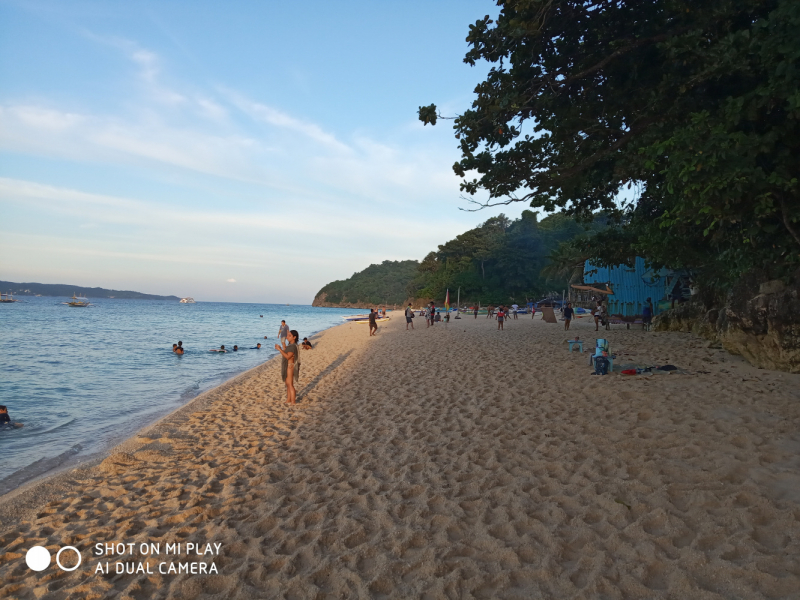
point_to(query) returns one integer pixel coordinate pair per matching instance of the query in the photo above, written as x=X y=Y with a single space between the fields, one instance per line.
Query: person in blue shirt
x=568 y=313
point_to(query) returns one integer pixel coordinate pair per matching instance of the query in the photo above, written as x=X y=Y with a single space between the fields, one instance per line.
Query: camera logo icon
x=38 y=558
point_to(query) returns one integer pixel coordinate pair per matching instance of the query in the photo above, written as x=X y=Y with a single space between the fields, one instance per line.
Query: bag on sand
x=601 y=365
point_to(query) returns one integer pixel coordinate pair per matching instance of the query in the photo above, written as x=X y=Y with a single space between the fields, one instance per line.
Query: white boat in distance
x=188 y=300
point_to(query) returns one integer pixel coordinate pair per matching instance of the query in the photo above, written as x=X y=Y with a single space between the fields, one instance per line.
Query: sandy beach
x=453 y=462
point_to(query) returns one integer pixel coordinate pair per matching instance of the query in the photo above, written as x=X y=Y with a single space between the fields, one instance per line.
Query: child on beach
x=501 y=316
x=290 y=364
x=307 y=345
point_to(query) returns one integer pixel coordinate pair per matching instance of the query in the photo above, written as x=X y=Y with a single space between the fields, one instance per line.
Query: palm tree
x=565 y=262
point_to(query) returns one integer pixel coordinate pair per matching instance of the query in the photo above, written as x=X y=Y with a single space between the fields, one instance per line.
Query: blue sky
x=241 y=151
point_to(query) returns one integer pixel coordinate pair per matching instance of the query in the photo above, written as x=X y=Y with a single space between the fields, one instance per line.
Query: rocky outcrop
x=760 y=321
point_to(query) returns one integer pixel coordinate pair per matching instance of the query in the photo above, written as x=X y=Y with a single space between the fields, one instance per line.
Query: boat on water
x=78 y=302
x=188 y=300
x=363 y=319
x=7 y=298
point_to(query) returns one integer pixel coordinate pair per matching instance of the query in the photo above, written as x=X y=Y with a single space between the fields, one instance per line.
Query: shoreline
x=415 y=466
x=49 y=481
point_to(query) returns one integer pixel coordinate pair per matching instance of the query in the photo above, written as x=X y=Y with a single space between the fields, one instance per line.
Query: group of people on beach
x=289 y=349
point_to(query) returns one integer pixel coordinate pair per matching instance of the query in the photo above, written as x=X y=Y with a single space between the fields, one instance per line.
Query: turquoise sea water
x=83 y=379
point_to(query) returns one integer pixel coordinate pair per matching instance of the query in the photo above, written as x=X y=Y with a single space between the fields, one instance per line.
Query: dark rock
x=760 y=321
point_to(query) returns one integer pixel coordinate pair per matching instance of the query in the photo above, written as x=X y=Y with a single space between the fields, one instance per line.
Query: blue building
x=631 y=287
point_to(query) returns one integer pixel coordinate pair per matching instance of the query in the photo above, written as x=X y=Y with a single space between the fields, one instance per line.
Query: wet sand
x=458 y=462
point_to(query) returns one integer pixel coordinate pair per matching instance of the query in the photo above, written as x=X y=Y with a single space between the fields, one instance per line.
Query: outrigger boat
x=363 y=319
x=78 y=301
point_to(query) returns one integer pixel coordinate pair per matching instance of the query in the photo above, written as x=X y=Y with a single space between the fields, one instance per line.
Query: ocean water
x=83 y=379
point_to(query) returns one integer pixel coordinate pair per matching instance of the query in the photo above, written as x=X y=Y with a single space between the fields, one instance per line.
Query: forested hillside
x=500 y=260
x=384 y=284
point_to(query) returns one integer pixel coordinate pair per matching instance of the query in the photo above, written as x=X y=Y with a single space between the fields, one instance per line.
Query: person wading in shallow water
x=290 y=364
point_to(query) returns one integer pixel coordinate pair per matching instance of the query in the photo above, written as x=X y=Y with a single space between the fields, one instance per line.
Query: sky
x=229 y=151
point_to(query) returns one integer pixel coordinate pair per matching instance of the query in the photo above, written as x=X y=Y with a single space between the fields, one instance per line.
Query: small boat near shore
x=363 y=319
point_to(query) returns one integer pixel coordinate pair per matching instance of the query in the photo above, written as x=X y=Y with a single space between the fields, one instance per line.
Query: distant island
x=62 y=290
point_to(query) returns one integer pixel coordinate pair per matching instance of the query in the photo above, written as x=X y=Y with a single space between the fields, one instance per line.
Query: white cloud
x=231 y=280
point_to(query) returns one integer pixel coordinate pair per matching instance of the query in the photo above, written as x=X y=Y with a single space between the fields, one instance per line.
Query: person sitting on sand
x=290 y=364
x=438 y=317
x=4 y=417
x=307 y=345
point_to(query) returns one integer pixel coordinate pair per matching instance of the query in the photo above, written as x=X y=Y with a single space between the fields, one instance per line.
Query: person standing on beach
x=373 y=325
x=501 y=316
x=568 y=312
x=647 y=314
x=409 y=317
x=283 y=331
x=290 y=364
x=476 y=312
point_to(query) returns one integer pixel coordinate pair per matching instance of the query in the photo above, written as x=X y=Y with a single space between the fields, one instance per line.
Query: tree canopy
x=501 y=260
x=692 y=105
x=381 y=284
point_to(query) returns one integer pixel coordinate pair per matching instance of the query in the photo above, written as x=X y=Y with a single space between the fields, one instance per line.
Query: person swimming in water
x=221 y=349
x=5 y=419
x=174 y=347
x=256 y=347
x=235 y=348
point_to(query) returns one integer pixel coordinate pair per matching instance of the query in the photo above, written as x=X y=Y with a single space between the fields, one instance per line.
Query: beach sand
x=457 y=462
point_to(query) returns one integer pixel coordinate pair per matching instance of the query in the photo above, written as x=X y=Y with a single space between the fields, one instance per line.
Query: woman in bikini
x=290 y=364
